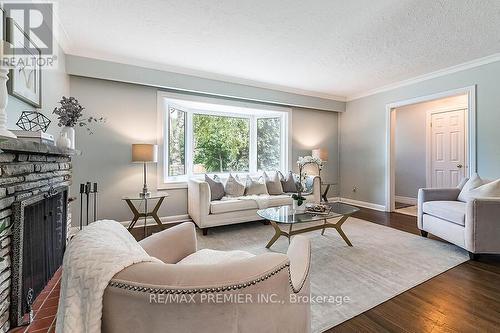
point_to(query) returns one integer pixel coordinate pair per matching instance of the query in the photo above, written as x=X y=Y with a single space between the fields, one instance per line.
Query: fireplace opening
x=39 y=242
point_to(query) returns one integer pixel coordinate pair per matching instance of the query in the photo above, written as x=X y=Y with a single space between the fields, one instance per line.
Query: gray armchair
x=473 y=225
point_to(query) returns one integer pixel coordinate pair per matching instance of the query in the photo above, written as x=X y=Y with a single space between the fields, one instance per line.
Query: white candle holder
x=4 y=95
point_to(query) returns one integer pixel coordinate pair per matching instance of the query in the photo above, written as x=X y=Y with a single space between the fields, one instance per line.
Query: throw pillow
x=255 y=187
x=462 y=183
x=273 y=185
x=288 y=184
x=234 y=188
x=474 y=182
x=216 y=187
x=488 y=190
x=309 y=185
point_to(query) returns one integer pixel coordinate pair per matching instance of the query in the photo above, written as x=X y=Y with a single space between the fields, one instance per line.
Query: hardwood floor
x=466 y=298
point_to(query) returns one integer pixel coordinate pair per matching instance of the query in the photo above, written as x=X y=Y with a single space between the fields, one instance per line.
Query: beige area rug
x=383 y=263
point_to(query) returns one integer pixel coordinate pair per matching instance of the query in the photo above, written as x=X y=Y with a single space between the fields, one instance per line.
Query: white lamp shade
x=143 y=153
x=320 y=153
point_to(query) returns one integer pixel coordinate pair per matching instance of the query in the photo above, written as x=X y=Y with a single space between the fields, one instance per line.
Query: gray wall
x=107 y=70
x=132 y=117
x=410 y=151
x=363 y=130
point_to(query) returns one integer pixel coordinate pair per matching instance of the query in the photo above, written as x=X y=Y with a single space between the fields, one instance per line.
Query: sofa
x=473 y=225
x=215 y=293
x=207 y=213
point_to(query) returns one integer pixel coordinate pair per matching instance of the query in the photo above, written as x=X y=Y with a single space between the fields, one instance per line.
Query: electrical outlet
x=354 y=188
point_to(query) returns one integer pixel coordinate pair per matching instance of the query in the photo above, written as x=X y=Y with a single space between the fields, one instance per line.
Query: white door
x=447 y=148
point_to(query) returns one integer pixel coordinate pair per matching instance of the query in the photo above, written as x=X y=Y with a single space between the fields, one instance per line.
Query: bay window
x=214 y=136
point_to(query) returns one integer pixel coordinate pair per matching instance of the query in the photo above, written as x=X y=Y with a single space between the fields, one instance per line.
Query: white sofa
x=207 y=213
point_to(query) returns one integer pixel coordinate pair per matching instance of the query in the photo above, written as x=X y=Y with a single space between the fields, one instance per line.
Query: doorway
x=430 y=143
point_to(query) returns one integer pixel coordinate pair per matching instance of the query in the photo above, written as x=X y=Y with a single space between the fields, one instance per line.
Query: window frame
x=247 y=110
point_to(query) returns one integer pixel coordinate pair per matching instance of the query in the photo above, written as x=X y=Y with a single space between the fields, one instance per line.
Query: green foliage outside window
x=177 y=141
x=268 y=143
x=221 y=144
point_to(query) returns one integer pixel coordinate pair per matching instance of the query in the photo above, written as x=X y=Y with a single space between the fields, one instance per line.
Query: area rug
x=383 y=263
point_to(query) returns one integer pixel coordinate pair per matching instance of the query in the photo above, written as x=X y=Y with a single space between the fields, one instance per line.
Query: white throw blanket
x=92 y=258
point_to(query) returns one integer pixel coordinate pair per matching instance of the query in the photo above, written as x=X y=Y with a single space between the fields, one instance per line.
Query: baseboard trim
x=406 y=200
x=363 y=204
x=165 y=219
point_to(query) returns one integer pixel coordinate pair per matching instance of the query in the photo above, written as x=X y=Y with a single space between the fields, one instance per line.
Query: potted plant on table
x=298 y=198
x=70 y=114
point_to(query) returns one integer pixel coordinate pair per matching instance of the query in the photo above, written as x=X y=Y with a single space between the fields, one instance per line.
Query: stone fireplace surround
x=26 y=169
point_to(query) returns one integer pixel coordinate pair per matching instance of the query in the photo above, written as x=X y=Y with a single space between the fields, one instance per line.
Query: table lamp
x=322 y=154
x=144 y=153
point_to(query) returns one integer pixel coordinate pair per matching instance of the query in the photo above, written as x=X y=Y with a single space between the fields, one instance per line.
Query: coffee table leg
x=338 y=227
x=277 y=234
x=323 y=231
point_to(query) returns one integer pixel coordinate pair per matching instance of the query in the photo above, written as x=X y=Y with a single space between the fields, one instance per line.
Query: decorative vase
x=298 y=208
x=70 y=133
x=63 y=141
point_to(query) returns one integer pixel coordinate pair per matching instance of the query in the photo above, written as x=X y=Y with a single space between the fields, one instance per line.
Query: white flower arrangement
x=302 y=161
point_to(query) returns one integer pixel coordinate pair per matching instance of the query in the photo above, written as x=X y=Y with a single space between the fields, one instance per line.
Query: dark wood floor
x=465 y=298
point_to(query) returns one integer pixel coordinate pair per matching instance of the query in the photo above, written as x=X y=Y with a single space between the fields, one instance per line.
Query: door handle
x=460 y=166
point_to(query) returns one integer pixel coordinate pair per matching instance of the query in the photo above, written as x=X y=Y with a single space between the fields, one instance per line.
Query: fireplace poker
x=82 y=190
x=94 y=191
x=87 y=192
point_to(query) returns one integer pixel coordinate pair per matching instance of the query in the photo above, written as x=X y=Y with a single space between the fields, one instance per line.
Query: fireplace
x=34 y=188
x=38 y=244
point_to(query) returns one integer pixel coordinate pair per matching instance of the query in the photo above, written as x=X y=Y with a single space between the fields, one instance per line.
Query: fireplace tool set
x=90 y=193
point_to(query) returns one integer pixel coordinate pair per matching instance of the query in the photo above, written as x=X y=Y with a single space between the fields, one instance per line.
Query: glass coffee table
x=287 y=215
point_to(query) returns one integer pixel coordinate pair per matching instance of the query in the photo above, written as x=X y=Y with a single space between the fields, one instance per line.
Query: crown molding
x=442 y=72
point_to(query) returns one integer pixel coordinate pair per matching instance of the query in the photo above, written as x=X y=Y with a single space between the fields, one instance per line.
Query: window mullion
x=253 y=145
x=189 y=145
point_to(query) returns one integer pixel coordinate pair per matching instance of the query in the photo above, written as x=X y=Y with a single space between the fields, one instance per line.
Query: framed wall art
x=25 y=80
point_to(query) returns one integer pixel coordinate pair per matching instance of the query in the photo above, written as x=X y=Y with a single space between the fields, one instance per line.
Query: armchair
x=237 y=295
x=472 y=225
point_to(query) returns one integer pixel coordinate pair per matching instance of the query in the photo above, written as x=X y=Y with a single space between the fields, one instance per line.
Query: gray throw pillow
x=234 y=188
x=255 y=187
x=273 y=185
x=288 y=184
x=216 y=187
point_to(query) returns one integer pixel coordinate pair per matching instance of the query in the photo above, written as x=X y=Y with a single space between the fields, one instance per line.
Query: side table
x=130 y=200
x=324 y=194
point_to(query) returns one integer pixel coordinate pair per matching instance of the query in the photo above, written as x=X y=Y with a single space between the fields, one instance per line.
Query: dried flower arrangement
x=70 y=114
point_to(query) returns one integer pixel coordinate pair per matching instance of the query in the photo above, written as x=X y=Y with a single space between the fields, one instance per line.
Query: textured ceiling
x=318 y=47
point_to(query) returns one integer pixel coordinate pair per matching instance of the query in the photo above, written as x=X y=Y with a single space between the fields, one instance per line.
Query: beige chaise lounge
x=176 y=297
